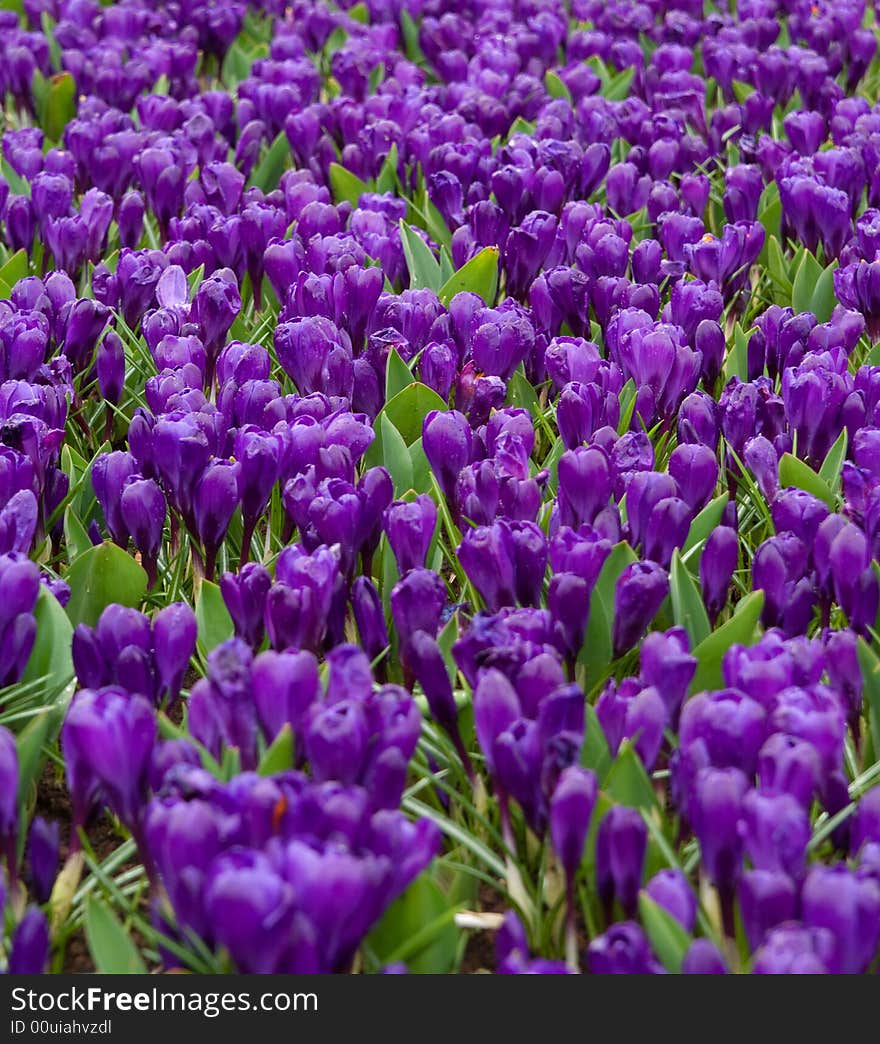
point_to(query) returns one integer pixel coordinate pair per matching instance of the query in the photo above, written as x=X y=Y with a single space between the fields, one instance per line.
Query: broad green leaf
x=110 y=945
x=478 y=276
x=421 y=469
x=597 y=651
x=823 y=300
x=807 y=276
x=29 y=746
x=279 y=756
x=55 y=102
x=213 y=619
x=707 y=520
x=238 y=63
x=627 y=781
x=669 y=939
x=619 y=86
x=267 y=173
x=870 y=665
x=408 y=409
x=346 y=187
x=424 y=268
x=627 y=399
x=410 y=32
x=737 y=362
x=833 y=463
x=688 y=610
x=595 y=754
x=739 y=630
x=15 y=268
x=103 y=575
x=395 y=456
x=447 y=269
x=360 y=13
x=556 y=87
x=741 y=90
x=397 y=375
x=50 y=656
x=418 y=929
x=388 y=181
x=793 y=472
x=521 y=126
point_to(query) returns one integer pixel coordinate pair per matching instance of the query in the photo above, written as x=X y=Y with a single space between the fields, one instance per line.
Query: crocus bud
x=244 y=594
x=43 y=843
x=703 y=958
x=130 y=218
x=426 y=662
x=487 y=556
x=795 y=949
x=8 y=799
x=623 y=950
x=446 y=440
x=671 y=890
x=621 y=844
x=717 y=565
x=571 y=809
x=142 y=508
x=111 y=367
x=766 y=898
x=215 y=498
x=369 y=616
x=409 y=527
x=835 y=898
x=496 y=708
x=174 y=641
x=107 y=739
x=417 y=602
x=717 y=813
x=335 y=737
x=284 y=686
x=638 y=595
x=30 y=944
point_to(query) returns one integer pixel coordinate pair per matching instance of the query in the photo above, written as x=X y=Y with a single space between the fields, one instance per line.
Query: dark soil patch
x=479 y=954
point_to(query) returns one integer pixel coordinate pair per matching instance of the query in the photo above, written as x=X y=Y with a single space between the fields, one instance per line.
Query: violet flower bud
x=638 y=595
x=671 y=890
x=717 y=566
x=369 y=615
x=571 y=809
x=43 y=844
x=410 y=527
x=30 y=944
x=767 y=898
x=621 y=844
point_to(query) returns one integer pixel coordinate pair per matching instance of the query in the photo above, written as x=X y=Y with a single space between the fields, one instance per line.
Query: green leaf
x=419 y=929
x=595 y=753
x=424 y=268
x=15 y=268
x=741 y=90
x=409 y=407
x=55 y=102
x=410 y=32
x=377 y=75
x=805 y=280
x=396 y=458
x=29 y=747
x=388 y=181
x=421 y=469
x=628 y=783
x=688 y=610
x=737 y=362
x=739 y=630
x=478 y=276
x=833 y=463
x=103 y=575
x=238 y=62
x=596 y=653
x=346 y=187
x=213 y=619
x=824 y=299
x=619 y=86
x=50 y=656
x=268 y=171
x=669 y=939
x=521 y=126
x=627 y=399
x=556 y=87
x=397 y=375
x=870 y=665
x=793 y=472
x=110 y=945
x=279 y=756
x=360 y=13
x=707 y=520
